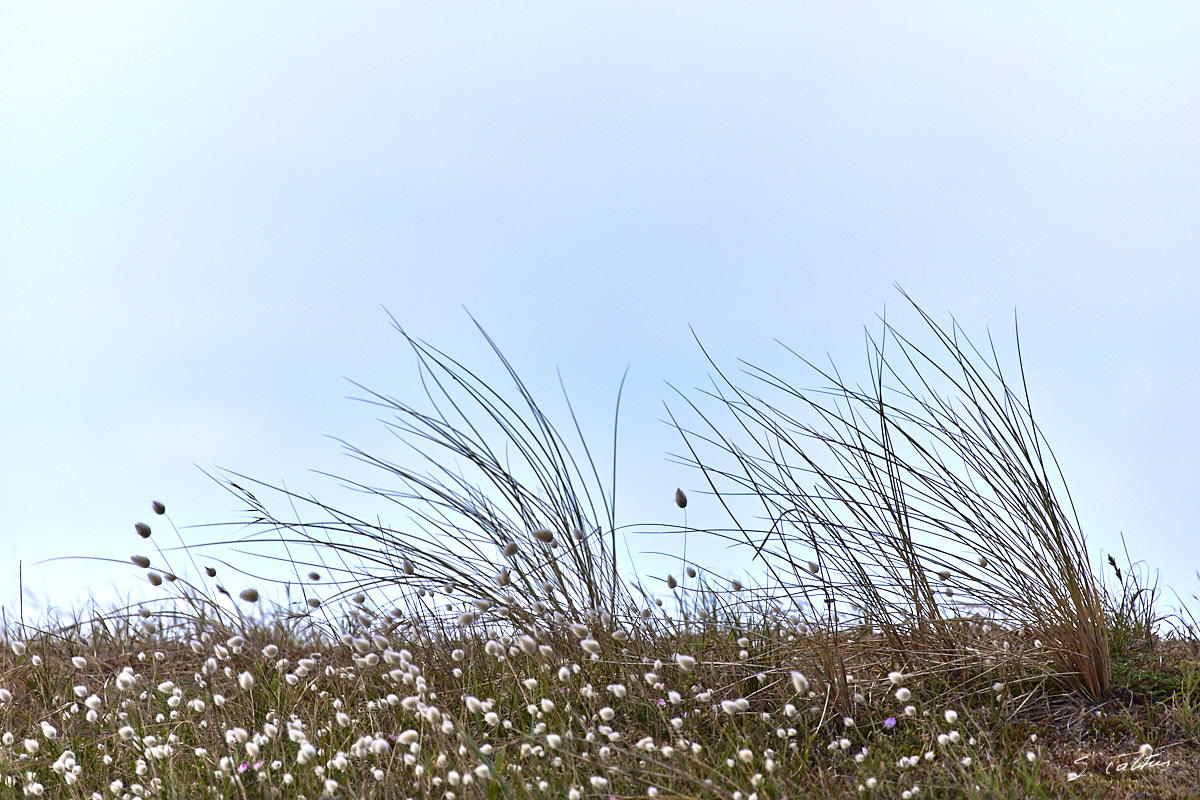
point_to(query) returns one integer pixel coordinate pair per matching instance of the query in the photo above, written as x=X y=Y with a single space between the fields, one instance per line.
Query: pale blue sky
x=203 y=209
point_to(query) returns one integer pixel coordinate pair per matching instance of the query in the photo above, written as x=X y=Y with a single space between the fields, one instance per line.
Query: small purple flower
x=661 y=702
x=889 y=723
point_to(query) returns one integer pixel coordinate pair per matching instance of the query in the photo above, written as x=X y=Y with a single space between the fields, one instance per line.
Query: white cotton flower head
x=903 y=694
x=246 y=681
x=543 y=535
x=686 y=663
x=79 y=662
x=951 y=716
x=800 y=683
x=896 y=678
x=590 y=645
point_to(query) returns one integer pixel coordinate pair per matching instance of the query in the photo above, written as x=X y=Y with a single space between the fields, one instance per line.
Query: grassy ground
x=196 y=709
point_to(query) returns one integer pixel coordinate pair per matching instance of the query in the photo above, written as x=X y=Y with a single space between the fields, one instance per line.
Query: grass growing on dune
x=486 y=646
x=927 y=505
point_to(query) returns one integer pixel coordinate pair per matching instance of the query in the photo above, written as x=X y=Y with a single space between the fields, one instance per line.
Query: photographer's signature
x=1124 y=762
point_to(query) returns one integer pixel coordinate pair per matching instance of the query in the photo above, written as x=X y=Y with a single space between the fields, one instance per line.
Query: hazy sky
x=204 y=209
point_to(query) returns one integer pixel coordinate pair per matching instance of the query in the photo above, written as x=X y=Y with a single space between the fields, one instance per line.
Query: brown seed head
x=143 y=530
x=211 y=571
x=249 y=595
x=544 y=535
x=141 y=561
x=680 y=498
x=158 y=507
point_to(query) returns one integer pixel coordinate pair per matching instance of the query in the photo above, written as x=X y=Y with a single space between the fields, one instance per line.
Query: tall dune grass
x=496 y=514
x=928 y=499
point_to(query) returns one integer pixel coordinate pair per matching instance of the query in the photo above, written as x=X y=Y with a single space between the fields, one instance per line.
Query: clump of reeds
x=923 y=505
x=497 y=519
